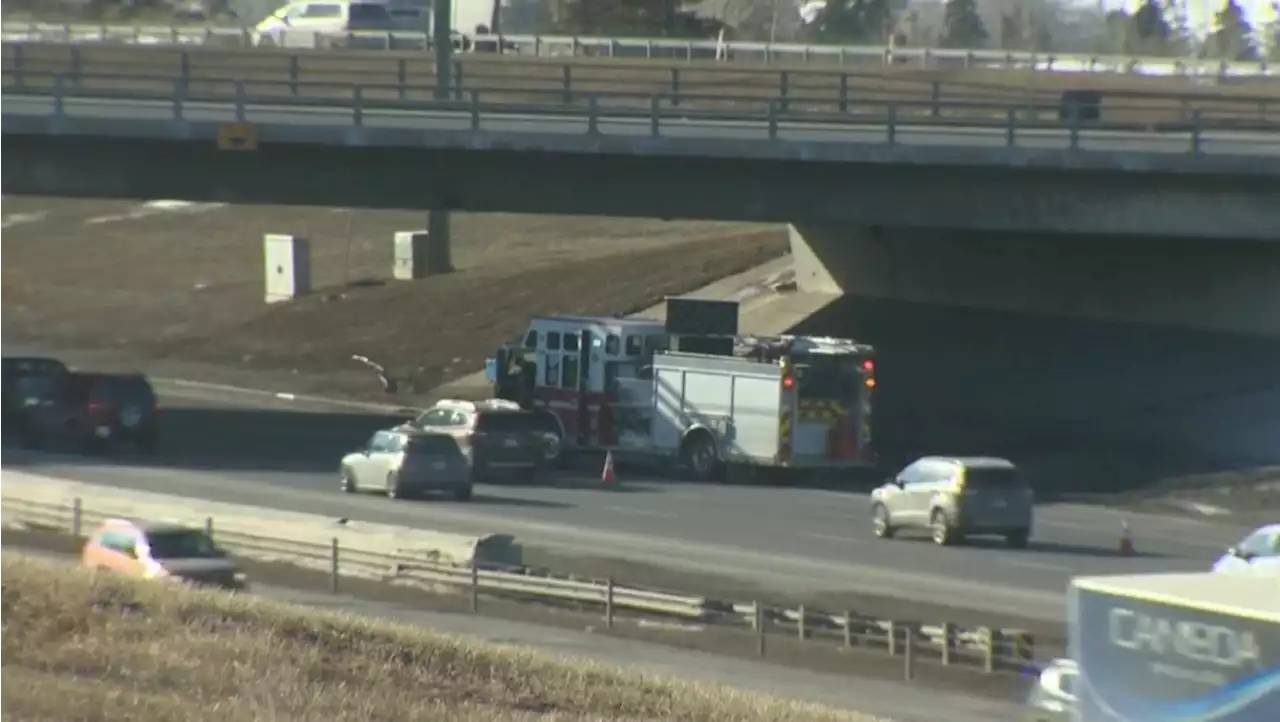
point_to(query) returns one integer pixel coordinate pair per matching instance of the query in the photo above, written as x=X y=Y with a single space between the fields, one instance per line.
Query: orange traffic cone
x=1126 y=540
x=607 y=476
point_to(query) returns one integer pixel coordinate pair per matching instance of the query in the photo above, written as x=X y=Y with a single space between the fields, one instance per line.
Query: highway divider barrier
x=488 y=566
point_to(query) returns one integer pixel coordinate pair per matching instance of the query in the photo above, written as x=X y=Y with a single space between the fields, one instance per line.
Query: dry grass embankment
x=83 y=646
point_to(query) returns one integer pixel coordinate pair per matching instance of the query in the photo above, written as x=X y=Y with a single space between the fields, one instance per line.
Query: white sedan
x=1258 y=553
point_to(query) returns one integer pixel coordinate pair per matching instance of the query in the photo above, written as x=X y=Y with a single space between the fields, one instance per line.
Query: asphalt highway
x=638 y=125
x=796 y=540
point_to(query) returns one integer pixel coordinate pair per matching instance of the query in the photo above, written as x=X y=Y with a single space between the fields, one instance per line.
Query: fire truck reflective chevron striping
x=821 y=410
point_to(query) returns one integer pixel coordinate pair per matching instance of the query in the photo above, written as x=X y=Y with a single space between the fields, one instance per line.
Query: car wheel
x=1018 y=539
x=701 y=457
x=940 y=529
x=393 y=487
x=462 y=493
x=880 y=522
x=348 y=484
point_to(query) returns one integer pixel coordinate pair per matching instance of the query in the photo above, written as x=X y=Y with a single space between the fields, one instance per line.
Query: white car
x=1257 y=553
x=327 y=23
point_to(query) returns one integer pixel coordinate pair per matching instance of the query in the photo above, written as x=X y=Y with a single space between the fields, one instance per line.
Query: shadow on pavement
x=1082 y=406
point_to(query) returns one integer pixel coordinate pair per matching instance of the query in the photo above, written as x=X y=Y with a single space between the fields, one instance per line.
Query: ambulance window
x=551 y=375
x=570 y=375
x=634 y=345
x=612 y=344
x=531 y=339
x=553 y=340
x=570 y=342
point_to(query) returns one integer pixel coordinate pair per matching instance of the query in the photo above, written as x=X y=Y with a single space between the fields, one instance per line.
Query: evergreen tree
x=642 y=18
x=1013 y=30
x=1232 y=38
x=962 y=27
x=855 y=21
x=1151 y=33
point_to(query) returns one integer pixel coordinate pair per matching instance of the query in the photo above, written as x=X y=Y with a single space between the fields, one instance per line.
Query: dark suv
x=28 y=382
x=94 y=411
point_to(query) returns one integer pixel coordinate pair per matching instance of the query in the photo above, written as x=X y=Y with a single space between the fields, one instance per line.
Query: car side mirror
x=1239 y=553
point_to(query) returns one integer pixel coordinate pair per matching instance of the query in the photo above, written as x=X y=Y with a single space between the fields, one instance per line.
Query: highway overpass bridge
x=1177 y=226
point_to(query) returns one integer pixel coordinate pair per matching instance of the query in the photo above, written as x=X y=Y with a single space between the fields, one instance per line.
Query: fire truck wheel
x=701 y=456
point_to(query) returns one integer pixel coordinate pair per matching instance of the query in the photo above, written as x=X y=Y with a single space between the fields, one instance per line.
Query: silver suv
x=405 y=461
x=954 y=497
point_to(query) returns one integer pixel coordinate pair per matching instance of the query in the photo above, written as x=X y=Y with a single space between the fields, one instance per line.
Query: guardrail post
x=784 y=87
x=893 y=638
x=208 y=526
x=475 y=110
x=908 y=653
x=935 y=96
x=844 y=92
x=475 y=584
x=1010 y=128
x=76 y=515
x=179 y=95
x=357 y=106
x=1195 y=130
x=802 y=633
x=566 y=81
x=948 y=642
x=19 y=65
x=333 y=565
x=293 y=74
x=1075 y=127
x=654 y=110
x=891 y=130
x=58 y=110
x=993 y=642
x=75 y=63
x=457 y=79
x=184 y=65
x=675 y=87
x=848 y=629
x=239 y=101
x=402 y=78
x=759 y=625
x=593 y=115
x=773 y=120
x=608 y=604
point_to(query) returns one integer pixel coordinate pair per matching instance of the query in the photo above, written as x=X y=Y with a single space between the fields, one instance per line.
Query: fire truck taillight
x=868 y=365
x=788 y=382
x=870 y=382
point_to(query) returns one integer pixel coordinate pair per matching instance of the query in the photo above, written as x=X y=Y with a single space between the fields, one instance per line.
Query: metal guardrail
x=835 y=92
x=357 y=103
x=985 y=648
x=680 y=49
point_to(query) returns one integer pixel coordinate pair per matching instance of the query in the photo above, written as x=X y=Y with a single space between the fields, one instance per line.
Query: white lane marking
x=154 y=208
x=18 y=219
x=638 y=512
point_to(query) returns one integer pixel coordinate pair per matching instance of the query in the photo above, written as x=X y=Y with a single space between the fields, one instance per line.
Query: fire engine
x=711 y=403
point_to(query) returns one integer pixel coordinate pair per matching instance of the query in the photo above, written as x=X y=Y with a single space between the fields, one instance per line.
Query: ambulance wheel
x=701 y=456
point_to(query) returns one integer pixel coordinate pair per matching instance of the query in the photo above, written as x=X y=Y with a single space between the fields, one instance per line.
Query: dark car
x=28 y=382
x=95 y=411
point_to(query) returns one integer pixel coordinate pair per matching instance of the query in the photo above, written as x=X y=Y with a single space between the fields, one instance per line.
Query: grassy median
x=84 y=646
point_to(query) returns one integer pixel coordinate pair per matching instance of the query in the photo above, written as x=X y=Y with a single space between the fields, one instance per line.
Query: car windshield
x=509 y=422
x=992 y=479
x=183 y=544
x=432 y=445
x=123 y=389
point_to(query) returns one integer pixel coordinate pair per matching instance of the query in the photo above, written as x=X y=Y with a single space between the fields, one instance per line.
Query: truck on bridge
x=1175 y=648
x=713 y=402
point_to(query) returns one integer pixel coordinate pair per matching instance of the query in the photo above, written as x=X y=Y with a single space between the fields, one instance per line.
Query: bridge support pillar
x=440 y=248
x=1217 y=285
